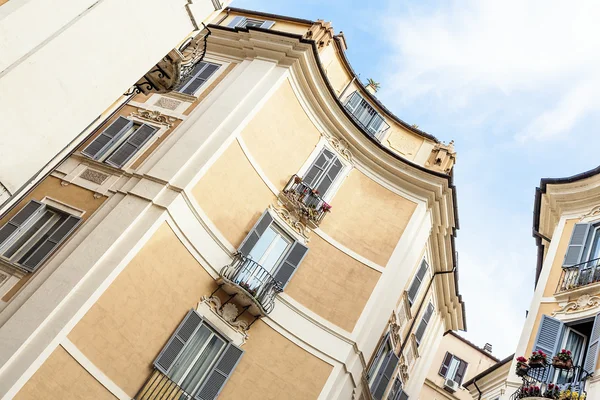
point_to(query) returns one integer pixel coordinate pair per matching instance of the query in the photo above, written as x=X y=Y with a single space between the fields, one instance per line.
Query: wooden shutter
x=549 y=336
x=335 y=166
x=19 y=219
x=385 y=375
x=445 y=365
x=237 y=21
x=193 y=84
x=413 y=290
x=318 y=168
x=589 y=364
x=256 y=232
x=460 y=372
x=131 y=146
x=401 y=396
x=267 y=24
x=166 y=358
x=378 y=354
x=576 y=245
x=290 y=263
x=353 y=102
x=50 y=244
x=423 y=324
x=107 y=137
x=220 y=373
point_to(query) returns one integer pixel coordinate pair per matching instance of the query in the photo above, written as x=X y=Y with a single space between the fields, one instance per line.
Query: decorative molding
x=291 y=220
x=3 y=277
x=394 y=330
x=94 y=176
x=594 y=212
x=155 y=117
x=168 y=103
x=228 y=313
x=340 y=145
x=583 y=303
x=64 y=183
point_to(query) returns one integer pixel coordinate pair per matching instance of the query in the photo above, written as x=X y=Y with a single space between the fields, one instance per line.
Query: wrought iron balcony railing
x=255 y=286
x=158 y=386
x=553 y=383
x=579 y=275
x=304 y=201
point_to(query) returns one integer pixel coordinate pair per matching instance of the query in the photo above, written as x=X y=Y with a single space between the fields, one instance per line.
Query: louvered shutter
x=267 y=24
x=353 y=102
x=445 y=364
x=413 y=290
x=375 y=124
x=220 y=373
x=290 y=263
x=131 y=146
x=334 y=169
x=198 y=79
x=589 y=364
x=378 y=354
x=460 y=372
x=166 y=358
x=387 y=370
x=50 y=244
x=318 y=167
x=237 y=21
x=19 y=219
x=423 y=324
x=258 y=229
x=107 y=137
x=549 y=336
x=401 y=396
x=576 y=245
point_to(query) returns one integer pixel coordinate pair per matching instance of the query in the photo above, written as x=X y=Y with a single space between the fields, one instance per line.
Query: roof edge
x=270 y=15
x=489 y=370
x=473 y=345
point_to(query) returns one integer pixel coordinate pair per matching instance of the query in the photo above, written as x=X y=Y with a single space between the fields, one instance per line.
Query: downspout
x=477 y=387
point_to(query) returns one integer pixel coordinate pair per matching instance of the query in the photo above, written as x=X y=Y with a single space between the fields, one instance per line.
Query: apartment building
x=250 y=222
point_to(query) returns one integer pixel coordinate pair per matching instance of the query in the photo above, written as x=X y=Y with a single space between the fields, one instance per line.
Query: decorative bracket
x=583 y=303
x=155 y=117
x=291 y=220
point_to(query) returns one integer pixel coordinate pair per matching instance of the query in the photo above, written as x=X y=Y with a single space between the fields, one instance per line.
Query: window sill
x=592 y=288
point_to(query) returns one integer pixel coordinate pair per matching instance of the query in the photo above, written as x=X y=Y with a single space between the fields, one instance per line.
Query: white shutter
x=267 y=24
x=220 y=373
x=589 y=364
x=237 y=21
x=166 y=358
x=574 y=252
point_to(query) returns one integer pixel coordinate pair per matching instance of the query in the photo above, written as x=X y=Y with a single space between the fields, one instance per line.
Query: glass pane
x=21 y=240
x=258 y=251
x=277 y=250
x=203 y=363
x=575 y=345
x=452 y=368
x=189 y=354
x=595 y=252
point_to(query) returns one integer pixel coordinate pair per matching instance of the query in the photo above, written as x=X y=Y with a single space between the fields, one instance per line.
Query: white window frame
x=284 y=234
x=285 y=227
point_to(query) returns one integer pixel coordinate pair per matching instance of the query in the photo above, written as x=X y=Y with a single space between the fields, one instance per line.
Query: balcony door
x=271 y=247
x=575 y=342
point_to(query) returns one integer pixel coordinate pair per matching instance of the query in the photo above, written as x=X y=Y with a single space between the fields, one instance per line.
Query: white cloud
x=474 y=48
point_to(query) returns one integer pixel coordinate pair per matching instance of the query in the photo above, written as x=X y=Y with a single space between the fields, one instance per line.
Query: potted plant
x=538 y=359
x=552 y=392
x=563 y=360
x=326 y=207
x=297 y=179
x=530 y=391
x=522 y=366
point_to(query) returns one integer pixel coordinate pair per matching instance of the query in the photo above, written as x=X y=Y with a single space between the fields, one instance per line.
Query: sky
x=516 y=85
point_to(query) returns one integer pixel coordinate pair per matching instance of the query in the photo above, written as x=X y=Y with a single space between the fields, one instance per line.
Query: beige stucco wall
x=241 y=197
x=338 y=75
x=556 y=271
x=332 y=284
x=281 y=136
x=368 y=218
x=273 y=368
x=130 y=323
x=61 y=378
x=403 y=142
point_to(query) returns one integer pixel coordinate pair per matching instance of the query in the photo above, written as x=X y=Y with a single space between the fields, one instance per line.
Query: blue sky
x=516 y=85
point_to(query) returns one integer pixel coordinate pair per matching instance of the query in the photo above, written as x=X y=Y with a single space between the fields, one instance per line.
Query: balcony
x=253 y=286
x=161 y=387
x=366 y=116
x=579 y=276
x=550 y=382
x=304 y=202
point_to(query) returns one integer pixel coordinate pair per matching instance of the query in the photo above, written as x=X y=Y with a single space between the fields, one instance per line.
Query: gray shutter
x=402 y=396
x=194 y=83
x=53 y=241
x=107 y=137
x=19 y=219
x=379 y=352
x=387 y=370
x=413 y=290
x=423 y=324
x=589 y=364
x=318 y=167
x=445 y=365
x=220 y=373
x=460 y=372
x=549 y=335
x=166 y=358
x=237 y=21
x=267 y=24
x=290 y=263
x=576 y=245
x=131 y=146
x=332 y=172
x=256 y=232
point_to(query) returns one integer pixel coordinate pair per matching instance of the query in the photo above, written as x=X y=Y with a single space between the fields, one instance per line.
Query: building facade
x=250 y=223
x=456 y=361
x=563 y=313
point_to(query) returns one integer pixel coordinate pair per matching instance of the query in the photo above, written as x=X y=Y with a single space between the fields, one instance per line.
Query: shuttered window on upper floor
x=424 y=323
x=34 y=233
x=366 y=115
x=453 y=368
x=244 y=22
x=417 y=281
x=198 y=77
x=323 y=171
x=119 y=142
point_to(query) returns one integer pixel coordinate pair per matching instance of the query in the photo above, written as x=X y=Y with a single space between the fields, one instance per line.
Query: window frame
x=458 y=363
x=380 y=133
x=206 y=82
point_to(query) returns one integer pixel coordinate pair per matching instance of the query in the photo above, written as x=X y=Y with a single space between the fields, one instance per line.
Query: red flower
x=522 y=359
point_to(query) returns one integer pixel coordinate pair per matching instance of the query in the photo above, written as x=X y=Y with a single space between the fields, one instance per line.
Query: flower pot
x=522 y=369
x=560 y=364
x=537 y=363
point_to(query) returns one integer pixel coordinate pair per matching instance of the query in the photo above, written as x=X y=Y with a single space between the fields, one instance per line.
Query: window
x=29 y=238
x=424 y=322
x=243 y=22
x=276 y=251
x=382 y=368
x=365 y=115
x=198 y=358
x=323 y=171
x=453 y=368
x=199 y=75
x=118 y=143
x=396 y=392
x=413 y=290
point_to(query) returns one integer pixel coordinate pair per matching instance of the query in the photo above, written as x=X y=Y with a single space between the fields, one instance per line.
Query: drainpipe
x=477 y=387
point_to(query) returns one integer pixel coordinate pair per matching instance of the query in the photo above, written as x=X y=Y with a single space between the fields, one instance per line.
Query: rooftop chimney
x=488 y=348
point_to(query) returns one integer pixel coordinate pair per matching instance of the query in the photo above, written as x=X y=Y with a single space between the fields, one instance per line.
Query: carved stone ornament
x=291 y=220
x=403 y=369
x=155 y=117
x=594 y=212
x=340 y=145
x=94 y=176
x=227 y=312
x=394 y=329
x=583 y=303
x=169 y=104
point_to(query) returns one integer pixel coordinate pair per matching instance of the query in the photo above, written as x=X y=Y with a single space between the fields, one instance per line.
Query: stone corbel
x=291 y=220
x=224 y=317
